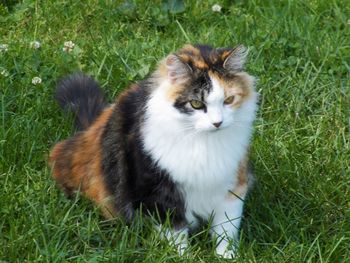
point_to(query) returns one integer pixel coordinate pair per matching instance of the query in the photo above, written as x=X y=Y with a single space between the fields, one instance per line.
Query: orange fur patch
x=76 y=165
x=191 y=50
x=225 y=54
x=241 y=187
x=174 y=92
x=191 y=54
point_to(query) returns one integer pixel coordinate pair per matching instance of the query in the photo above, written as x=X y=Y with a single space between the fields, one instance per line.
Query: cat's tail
x=82 y=95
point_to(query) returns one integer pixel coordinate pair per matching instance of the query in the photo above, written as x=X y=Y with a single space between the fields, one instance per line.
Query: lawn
x=299 y=209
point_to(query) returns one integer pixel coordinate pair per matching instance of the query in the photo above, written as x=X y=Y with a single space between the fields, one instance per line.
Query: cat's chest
x=204 y=168
x=198 y=162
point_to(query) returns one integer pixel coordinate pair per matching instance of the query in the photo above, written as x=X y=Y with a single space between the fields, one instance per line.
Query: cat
x=176 y=143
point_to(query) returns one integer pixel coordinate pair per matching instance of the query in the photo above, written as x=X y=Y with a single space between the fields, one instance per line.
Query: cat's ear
x=236 y=59
x=178 y=71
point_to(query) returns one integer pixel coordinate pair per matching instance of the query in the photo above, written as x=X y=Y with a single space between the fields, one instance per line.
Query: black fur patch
x=83 y=96
x=131 y=175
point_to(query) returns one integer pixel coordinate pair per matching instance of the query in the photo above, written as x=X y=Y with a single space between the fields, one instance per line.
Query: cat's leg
x=176 y=237
x=226 y=222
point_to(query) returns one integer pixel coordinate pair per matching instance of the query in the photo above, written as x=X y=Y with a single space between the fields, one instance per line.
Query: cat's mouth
x=212 y=130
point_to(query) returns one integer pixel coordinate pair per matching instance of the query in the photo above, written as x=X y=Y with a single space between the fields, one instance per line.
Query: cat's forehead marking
x=225 y=84
x=217 y=94
x=204 y=57
x=191 y=55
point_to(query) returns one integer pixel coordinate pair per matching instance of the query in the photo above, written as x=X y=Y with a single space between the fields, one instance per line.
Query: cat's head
x=207 y=87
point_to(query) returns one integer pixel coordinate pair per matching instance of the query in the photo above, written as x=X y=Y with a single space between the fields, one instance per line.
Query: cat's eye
x=197 y=104
x=229 y=100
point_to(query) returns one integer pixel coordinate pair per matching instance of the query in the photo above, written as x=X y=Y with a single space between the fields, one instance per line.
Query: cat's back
x=130 y=108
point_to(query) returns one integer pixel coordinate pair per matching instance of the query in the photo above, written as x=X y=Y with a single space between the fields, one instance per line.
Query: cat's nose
x=217 y=124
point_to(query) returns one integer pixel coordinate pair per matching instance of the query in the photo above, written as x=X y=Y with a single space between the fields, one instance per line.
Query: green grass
x=299 y=210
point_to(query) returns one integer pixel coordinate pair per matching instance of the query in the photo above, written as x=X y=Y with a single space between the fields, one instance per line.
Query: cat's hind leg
x=76 y=167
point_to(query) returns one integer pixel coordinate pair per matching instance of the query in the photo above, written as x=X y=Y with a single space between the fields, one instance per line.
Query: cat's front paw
x=225 y=251
x=181 y=248
x=177 y=238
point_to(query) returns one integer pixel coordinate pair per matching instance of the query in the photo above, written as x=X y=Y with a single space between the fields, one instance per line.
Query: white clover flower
x=35 y=44
x=216 y=8
x=348 y=22
x=4 y=72
x=4 y=47
x=68 y=46
x=36 y=80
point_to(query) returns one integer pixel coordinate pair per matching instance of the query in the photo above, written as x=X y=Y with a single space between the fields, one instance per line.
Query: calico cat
x=176 y=143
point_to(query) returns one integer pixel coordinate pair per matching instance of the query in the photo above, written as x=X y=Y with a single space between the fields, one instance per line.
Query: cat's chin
x=215 y=130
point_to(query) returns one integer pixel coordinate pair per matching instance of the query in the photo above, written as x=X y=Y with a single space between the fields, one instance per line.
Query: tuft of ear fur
x=178 y=71
x=236 y=59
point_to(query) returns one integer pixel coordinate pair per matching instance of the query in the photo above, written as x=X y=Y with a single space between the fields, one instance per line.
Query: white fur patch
x=215 y=104
x=201 y=161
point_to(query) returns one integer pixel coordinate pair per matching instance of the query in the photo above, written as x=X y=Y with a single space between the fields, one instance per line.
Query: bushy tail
x=83 y=96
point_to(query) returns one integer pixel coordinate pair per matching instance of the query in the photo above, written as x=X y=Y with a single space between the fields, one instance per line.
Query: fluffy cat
x=174 y=143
